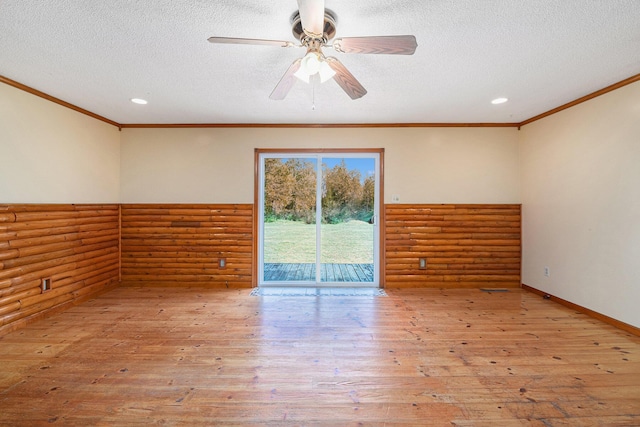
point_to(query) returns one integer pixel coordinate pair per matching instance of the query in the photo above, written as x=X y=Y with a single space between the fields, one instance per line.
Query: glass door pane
x=348 y=220
x=318 y=219
x=289 y=243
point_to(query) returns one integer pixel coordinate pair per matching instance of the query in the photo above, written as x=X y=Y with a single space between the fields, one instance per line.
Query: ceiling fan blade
x=391 y=45
x=286 y=82
x=234 y=40
x=312 y=16
x=345 y=79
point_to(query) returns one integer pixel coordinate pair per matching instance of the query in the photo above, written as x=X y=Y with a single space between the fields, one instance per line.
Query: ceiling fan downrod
x=329 y=29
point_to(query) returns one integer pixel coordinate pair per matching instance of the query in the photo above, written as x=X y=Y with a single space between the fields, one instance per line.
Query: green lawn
x=295 y=242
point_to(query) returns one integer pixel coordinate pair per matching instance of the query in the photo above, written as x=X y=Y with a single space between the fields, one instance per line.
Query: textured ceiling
x=98 y=54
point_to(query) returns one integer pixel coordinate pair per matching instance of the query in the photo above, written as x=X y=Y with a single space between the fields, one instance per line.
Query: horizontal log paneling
x=76 y=246
x=464 y=245
x=181 y=245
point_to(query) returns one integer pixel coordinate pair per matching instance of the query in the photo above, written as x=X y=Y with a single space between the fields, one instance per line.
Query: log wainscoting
x=72 y=248
x=464 y=246
x=182 y=245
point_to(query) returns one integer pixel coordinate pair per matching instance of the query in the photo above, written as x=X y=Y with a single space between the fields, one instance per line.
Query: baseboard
x=599 y=316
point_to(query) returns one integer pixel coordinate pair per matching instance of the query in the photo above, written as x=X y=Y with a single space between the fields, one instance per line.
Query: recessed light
x=139 y=101
x=499 y=101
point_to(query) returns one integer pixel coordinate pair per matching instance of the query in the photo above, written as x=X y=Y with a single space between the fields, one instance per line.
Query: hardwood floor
x=176 y=356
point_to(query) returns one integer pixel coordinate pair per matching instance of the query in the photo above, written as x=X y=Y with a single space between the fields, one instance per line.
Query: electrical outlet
x=45 y=285
x=395 y=198
x=423 y=263
x=222 y=263
x=546 y=271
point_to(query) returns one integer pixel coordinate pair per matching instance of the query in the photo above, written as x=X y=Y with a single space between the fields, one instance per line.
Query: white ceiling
x=538 y=53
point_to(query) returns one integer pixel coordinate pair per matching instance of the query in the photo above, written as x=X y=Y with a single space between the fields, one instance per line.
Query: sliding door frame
x=293 y=152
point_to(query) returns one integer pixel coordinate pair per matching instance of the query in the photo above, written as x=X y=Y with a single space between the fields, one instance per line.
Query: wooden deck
x=354 y=273
x=418 y=357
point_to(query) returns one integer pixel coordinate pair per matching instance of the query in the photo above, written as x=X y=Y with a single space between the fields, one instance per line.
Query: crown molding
x=585 y=98
x=314 y=125
x=55 y=100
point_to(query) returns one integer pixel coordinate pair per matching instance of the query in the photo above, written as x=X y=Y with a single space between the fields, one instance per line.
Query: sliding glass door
x=318 y=219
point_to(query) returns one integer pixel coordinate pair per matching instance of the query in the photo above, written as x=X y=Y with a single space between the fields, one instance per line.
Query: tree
x=278 y=187
x=342 y=193
x=368 y=193
x=303 y=203
x=290 y=192
x=289 y=189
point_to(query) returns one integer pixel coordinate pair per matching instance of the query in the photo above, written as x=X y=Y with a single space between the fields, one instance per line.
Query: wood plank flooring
x=177 y=356
x=330 y=272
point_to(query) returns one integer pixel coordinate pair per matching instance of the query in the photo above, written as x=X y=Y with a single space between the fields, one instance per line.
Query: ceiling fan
x=314 y=26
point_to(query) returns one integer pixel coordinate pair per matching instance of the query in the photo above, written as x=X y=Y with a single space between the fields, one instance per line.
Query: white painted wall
x=422 y=165
x=581 y=204
x=51 y=154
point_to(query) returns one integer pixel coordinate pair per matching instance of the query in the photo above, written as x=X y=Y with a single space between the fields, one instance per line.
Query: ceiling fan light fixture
x=314 y=63
x=311 y=63
x=326 y=72
x=302 y=74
